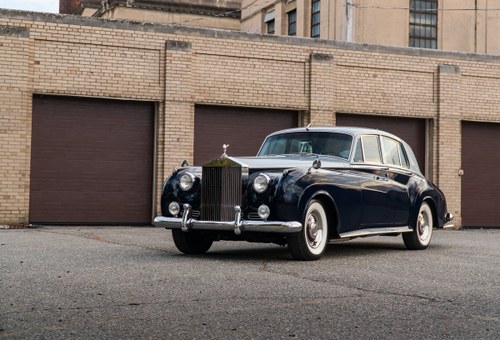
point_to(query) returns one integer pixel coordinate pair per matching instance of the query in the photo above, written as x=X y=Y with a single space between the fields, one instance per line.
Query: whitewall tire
x=420 y=237
x=310 y=243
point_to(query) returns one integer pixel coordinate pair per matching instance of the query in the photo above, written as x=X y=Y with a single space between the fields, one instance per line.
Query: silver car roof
x=351 y=130
x=355 y=132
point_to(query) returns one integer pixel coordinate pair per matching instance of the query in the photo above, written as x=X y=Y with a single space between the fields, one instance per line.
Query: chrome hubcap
x=423 y=226
x=314 y=230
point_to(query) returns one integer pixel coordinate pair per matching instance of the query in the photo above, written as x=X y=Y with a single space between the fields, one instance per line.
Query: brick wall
x=15 y=121
x=180 y=67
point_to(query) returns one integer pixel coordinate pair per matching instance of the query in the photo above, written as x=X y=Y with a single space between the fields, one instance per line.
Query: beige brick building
x=458 y=25
x=223 y=14
x=62 y=73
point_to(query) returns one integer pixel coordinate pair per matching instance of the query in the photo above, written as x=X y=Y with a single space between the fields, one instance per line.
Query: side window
x=371 y=149
x=404 y=158
x=358 y=153
x=390 y=149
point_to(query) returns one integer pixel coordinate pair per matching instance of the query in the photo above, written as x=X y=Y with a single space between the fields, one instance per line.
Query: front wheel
x=310 y=243
x=191 y=242
x=420 y=237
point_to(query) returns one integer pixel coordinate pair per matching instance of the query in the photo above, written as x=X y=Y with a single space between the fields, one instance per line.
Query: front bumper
x=187 y=223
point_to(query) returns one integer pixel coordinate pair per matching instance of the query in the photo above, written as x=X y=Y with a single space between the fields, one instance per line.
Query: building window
x=270 y=27
x=292 y=22
x=315 y=16
x=269 y=21
x=423 y=23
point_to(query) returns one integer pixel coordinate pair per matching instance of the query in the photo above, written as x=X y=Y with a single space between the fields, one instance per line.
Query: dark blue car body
x=367 y=183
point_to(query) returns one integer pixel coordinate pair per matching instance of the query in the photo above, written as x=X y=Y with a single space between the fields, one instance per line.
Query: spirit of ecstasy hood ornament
x=224 y=147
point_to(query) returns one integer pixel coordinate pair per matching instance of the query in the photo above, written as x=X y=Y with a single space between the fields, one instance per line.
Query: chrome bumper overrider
x=448 y=219
x=187 y=223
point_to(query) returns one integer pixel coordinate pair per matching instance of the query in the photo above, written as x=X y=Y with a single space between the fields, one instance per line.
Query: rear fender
x=416 y=207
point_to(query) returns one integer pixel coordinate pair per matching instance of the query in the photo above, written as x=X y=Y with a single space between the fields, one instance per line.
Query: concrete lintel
x=450 y=69
x=14 y=31
x=177 y=45
x=321 y=57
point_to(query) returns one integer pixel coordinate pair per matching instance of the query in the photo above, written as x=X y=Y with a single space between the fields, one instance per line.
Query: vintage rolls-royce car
x=305 y=187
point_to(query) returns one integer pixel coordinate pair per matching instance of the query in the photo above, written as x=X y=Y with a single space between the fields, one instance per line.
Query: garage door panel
x=480 y=184
x=243 y=129
x=90 y=155
x=83 y=169
x=92 y=183
x=71 y=212
x=92 y=161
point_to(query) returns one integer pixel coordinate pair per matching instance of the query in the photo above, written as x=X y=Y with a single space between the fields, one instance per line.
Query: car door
x=398 y=174
x=384 y=195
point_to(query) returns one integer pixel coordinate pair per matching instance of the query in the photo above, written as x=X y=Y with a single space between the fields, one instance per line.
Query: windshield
x=321 y=143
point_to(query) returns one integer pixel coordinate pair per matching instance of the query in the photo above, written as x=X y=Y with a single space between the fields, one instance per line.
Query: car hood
x=280 y=162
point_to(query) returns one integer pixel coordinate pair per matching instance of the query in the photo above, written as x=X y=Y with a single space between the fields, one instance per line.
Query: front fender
x=339 y=191
x=309 y=194
x=294 y=195
x=288 y=192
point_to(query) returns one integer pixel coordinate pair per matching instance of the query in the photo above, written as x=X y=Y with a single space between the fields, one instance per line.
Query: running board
x=375 y=231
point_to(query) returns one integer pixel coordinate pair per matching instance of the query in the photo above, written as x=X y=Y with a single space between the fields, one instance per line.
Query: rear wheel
x=420 y=237
x=310 y=243
x=191 y=242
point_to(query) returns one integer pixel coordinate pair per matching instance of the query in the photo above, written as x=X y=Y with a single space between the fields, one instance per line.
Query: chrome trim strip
x=375 y=231
x=238 y=226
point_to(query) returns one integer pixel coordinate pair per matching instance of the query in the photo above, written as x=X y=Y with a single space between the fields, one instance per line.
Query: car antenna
x=317 y=114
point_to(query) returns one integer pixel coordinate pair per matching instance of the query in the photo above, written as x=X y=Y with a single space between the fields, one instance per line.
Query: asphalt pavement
x=131 y=283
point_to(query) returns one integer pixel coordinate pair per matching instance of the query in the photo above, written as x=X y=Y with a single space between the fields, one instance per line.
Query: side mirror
x=184 y=163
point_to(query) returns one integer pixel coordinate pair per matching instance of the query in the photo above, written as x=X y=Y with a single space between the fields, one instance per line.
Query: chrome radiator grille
x=221 y=190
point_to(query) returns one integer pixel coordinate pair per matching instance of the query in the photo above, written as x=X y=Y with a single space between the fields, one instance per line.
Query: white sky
x=32 y=5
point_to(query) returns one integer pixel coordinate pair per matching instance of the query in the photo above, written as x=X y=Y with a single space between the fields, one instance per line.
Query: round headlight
x=174 y=209
x=187 y=181
x=260 y=183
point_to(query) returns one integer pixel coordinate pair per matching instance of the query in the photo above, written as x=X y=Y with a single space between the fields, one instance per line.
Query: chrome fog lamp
x=187 y=181
x=174 y=209
x=264 y=211
x=261 y=183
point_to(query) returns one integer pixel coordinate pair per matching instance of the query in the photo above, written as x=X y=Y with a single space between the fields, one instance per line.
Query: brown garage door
x=480 y=183
x=91 y=161
x=243 y=129
x=411 y=130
